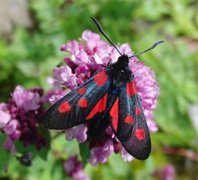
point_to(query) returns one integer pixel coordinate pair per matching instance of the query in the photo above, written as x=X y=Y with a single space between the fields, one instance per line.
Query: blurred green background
x=32 y=33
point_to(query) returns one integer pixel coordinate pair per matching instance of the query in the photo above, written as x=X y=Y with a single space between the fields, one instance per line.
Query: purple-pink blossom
x=19 y=118
x=100 y=152
x=8 y=145
x=26 y=100
x=126 y=156
x=11 y=127
x=4 y=115
x=88 y=56
x=78 y=132
x=74 y=168
x=166 y=173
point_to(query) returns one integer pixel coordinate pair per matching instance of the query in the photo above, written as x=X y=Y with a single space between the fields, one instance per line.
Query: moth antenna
x=102 y=32
x=150 y=48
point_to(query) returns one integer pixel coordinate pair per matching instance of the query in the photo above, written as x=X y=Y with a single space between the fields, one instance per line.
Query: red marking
x=83 y=103
x=100 y=78
x=99 y=107
x=64 y=107
x=137 y=111
x=140 y=134
x=81 y=90
x=129 y=119
x=114 y=114
x=131 y=88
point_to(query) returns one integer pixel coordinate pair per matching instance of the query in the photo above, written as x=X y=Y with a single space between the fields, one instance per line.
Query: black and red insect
x=109 y=98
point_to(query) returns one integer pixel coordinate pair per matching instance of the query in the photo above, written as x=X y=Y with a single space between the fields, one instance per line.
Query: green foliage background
x=29 y=56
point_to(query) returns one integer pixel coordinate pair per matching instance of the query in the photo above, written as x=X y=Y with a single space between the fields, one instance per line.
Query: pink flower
x=165 y=173
x=26 y=100
x=169 y=172
x=19 y=119
x=80 y=175
x=4 y=115
x=11 y=127
x=126 y=156
x=9 y=145
x=74 y=169
x=79 y=132
x=99 y=153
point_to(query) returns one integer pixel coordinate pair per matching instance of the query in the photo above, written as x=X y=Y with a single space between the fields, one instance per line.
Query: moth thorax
x=120 y=71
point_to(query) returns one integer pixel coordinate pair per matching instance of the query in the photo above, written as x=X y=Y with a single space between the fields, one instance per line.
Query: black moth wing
x=130 y=126
x=82 y=105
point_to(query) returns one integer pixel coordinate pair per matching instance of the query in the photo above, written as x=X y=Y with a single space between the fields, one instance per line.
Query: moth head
x=123 y=59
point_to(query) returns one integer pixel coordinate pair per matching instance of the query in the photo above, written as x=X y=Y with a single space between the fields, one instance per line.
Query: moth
x=109 y=98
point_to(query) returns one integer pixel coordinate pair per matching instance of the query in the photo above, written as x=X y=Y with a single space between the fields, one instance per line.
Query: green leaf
x=43 y=152
x=115 y=162
x=2 y=138
x=84 y=152
x=4 y=159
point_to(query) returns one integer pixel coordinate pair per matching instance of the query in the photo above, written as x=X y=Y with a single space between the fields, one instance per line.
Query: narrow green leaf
x=84 y=152
x=4 y=158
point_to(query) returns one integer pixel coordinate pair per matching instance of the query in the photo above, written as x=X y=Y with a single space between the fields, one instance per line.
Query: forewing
x=129 y=123
x=84 y=104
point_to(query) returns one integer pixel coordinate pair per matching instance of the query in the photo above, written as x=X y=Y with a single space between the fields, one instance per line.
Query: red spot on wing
x=83 y=103
x=81 y=90
x=98 y=108
x=64 y=107
x=114 y=114
x=137 y=111
x=131 y=88
x=101 y=78
x=129 y=119
x=140 y=134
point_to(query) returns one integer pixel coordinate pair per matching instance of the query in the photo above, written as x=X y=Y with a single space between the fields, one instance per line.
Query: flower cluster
x=87 y=56
x=74 y=169
x=168 y=172
x=19 y=118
